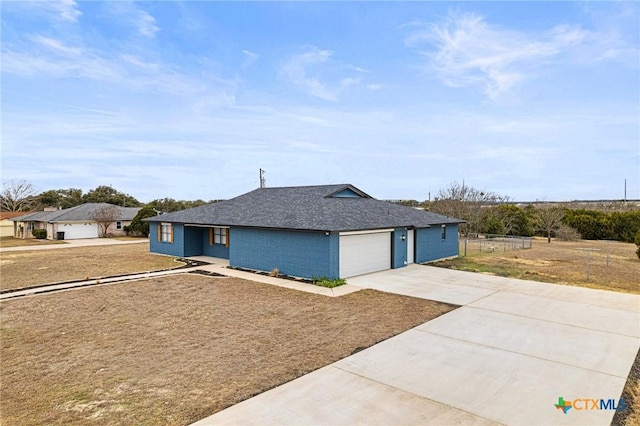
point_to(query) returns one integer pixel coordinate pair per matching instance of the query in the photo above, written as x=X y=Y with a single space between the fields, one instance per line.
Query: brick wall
x=298 y=253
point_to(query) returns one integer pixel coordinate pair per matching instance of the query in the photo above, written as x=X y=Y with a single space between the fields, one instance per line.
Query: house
x=6 y=224
x=333 y=231
x=75 y=222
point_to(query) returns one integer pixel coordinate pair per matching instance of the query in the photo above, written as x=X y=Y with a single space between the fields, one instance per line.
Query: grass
x=173 y=350
x=560 y=262
x=129 y=238
x=20 y=242
x=27 y=268
x=328 y=282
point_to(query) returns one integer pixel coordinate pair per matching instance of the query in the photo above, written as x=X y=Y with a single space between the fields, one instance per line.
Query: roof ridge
x=307 y=186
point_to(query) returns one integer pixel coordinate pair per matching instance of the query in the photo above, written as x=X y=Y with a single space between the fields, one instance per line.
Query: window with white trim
x=220 y=236
x=166 y=233
x=118 y=225
x=31 y=226
x=443 y=233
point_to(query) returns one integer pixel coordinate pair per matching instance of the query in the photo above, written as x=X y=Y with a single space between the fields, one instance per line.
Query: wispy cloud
x=471 y=52
x=141 y=20
x=316 y=72
x=41 y=57
x=62 y=10
x=297 y=70
x=249 y=58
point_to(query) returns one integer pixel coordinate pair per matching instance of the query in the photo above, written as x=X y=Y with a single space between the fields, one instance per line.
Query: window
x=31 y=226
x=165 y=233
x=118 y=225
x=219 y=236
x=443 y=233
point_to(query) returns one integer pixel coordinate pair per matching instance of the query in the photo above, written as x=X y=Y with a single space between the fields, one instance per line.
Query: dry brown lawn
x=561 y=262
x=176 y=349
x=20 y=242
x=26 y=268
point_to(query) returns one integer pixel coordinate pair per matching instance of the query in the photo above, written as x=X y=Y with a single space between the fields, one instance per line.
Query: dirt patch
x=614 y=266
x=631 y=394
x=176 y=349
x=530 y=262
x=27 y=268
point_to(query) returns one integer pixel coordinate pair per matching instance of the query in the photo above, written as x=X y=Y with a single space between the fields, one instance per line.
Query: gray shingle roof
x=306 y=208
x=77 y=213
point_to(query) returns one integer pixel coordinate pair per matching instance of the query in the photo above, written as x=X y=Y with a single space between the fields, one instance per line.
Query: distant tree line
x=486 y=212
x=21 y=196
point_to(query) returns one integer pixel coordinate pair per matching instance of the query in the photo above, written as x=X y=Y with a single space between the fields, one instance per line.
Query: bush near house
x=638 y=243
x=40 y=234
x=138 y=227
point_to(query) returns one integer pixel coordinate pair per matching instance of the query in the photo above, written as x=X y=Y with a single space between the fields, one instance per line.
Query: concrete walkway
x=504 y=357
x=215 y=265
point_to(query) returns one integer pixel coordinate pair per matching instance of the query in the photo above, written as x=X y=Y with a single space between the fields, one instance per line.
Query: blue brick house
x=334 y=231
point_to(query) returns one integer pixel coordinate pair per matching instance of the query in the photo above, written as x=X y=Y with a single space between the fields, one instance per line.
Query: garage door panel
x=74 y=231
x=364 y=253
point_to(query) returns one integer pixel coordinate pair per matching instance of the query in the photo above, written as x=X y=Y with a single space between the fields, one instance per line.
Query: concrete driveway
x=504 y=357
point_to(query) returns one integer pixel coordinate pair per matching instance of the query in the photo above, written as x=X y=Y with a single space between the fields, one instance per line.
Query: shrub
x=567 y=233
x=275 y=272
x=637 y=241
x=40 y=234
x=328 y=282
x=138 y=227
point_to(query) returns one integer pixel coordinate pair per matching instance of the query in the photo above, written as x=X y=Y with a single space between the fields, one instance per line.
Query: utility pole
x=262 y=184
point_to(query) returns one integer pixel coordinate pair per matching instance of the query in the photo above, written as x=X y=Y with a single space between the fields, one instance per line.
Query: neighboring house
x=75 y=222
x=6 y=224
x=323 y=231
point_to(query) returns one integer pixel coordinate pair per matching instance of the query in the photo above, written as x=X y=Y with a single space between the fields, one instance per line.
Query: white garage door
x=74 y=231
x=364 y=253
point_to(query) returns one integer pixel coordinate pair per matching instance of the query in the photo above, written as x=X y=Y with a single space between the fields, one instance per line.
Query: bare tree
x=105 y=217
x=17 y=196
x=549 y=219
x=466 y=202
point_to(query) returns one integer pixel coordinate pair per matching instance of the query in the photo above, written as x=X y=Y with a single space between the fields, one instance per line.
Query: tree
x=138 y=226
x=105 y=217
x=549 y=219
x=106 y=194
x=515 y=220
x=17 y=196
x=466 y=202
x=62 y=198
x=167 y=205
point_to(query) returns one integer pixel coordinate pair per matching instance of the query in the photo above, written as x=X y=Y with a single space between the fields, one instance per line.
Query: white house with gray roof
x=73 y=223
x=333 y=231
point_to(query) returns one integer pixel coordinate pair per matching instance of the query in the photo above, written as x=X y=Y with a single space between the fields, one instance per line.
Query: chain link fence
x=489 y=243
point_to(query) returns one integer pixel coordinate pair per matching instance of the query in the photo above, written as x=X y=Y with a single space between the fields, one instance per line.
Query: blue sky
x=534 y=100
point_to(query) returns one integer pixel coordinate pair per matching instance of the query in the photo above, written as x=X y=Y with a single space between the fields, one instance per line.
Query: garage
x=364 y=252
x=74 y=231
